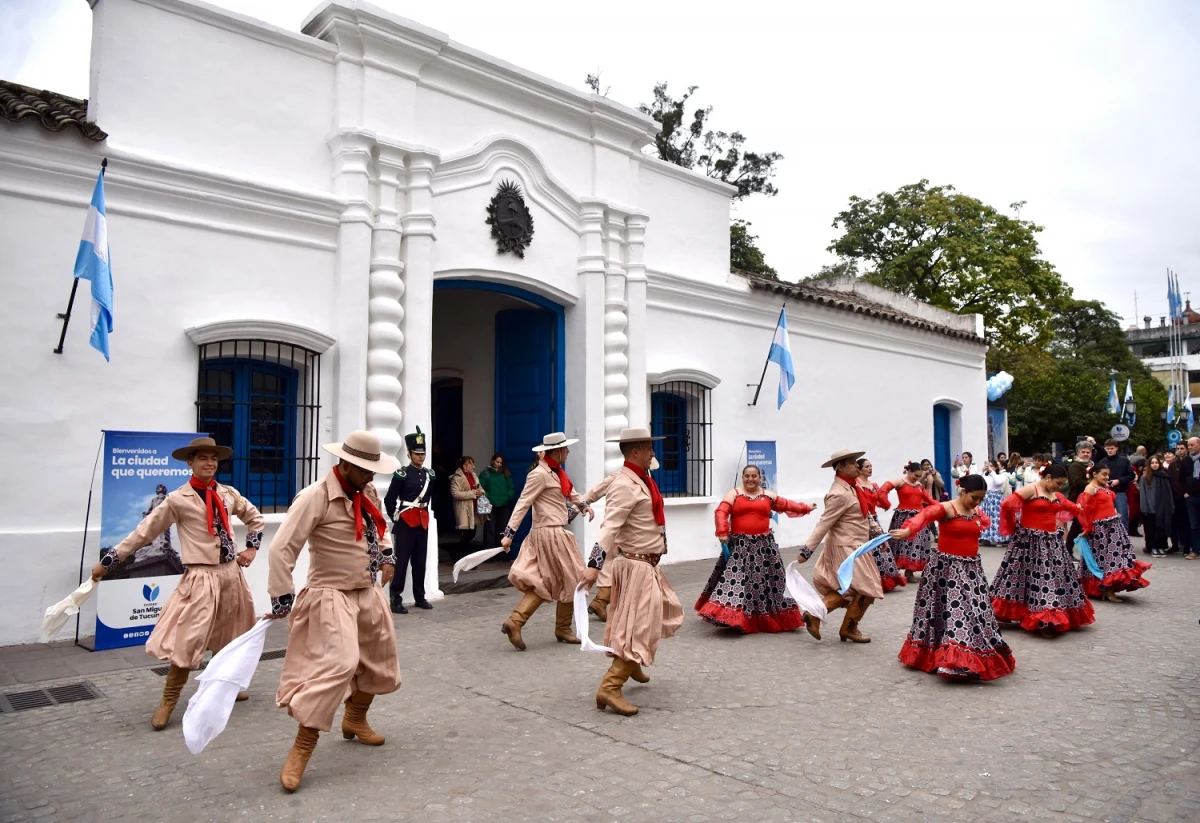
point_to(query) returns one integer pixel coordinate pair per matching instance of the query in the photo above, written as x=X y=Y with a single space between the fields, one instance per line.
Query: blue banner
x=139 y=473
x=761 y=453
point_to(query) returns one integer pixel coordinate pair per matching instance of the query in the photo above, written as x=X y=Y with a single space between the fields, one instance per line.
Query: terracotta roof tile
x=54 y=111
x=852 y=303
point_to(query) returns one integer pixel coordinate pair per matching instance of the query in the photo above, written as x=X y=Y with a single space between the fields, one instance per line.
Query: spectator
x=932 y=480
x=1158 y=506
x=1141 y=452
x=1077 y=481
x=1181 y=531
x=1190 y=480
x=1135 y=496
x=1120 y=472
x=964 y=465
x=1016 y=471
x=465 y=489
x=498 y=485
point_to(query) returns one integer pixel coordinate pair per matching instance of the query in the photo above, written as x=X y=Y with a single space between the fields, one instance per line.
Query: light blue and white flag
x=1191 y=418
x=1171 y=406
x=1178 y=297
x=1172 y=301
x=1132 y=416
x=1114 y=400
x=91 y=263
x=781 y=354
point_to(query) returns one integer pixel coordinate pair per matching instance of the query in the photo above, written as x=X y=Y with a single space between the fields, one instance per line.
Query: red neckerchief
x=563 y=480
x=470 y=480
x=864 y=499
x=214 y=505
x=361 y=502
x=656 y=501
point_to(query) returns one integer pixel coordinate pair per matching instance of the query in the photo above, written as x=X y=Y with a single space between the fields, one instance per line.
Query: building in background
x=1151 y=343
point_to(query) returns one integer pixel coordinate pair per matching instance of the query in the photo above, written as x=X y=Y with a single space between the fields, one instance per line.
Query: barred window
x=262 y=398
x=681 y=413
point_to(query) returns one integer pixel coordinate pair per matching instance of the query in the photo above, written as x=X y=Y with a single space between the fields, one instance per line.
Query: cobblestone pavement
x=1101 y=724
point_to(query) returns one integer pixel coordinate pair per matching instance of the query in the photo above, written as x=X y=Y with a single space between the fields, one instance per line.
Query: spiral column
x=616 y=340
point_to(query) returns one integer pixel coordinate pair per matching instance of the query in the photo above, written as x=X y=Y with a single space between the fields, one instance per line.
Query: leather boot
x=854 y=612
x=599 y=605
x=354 y=720
x=521 y=614
x=813 y=624
x=242 y=697
x=176 y=677
x=610 y=695
x=563 y=613
x=834 y=600
x=639 y=675
x=297 y=759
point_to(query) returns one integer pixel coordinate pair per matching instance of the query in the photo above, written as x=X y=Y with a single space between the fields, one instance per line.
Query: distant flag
x=92 y=263
x=1128 y=399
x=1171 y=406
x=1172 y=303
x=1114 y=401
x=1178 y=298
x=781 y=354
x=1191 y=420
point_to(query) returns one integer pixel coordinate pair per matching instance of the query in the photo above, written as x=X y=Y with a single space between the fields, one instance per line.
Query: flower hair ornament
x=1044 y=471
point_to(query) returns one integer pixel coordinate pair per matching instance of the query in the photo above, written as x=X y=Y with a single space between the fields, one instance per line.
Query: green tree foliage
x=954 y=251
x=744 y=253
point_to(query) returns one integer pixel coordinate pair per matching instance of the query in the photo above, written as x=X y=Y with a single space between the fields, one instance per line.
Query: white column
x=386 y=312
x=585 y=332
x=616 y=341
x=635 y=275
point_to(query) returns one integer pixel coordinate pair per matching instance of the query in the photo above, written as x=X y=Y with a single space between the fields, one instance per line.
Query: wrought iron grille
x=262 y=398
x=681 y=413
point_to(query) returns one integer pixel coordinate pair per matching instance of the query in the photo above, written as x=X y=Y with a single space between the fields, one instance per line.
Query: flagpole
x=766 y=363
x=87 y=518
x=66 y=318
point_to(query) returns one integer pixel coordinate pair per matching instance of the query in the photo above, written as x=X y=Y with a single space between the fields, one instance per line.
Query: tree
x=744 y=253
x=719 y=154
x=954 y=251
x=1086 y=331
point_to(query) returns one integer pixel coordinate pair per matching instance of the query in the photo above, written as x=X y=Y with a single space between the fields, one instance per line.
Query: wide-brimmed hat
x=555 y=440
x=840 y=455
x=205 y=444
x=640 y=435
x=363 y=450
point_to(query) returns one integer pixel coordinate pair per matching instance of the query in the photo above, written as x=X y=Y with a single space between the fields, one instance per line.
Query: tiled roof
x=850 y=302
x=54 y=111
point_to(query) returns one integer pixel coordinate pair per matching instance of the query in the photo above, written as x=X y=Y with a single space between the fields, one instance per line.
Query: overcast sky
x=1086 y=110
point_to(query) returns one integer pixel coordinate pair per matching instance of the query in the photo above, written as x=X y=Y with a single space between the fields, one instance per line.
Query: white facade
x=311 y=188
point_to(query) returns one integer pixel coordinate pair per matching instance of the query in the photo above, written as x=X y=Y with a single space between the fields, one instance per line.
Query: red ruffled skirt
x=1116 y=558
x=1038 y=586
x=748 y=592
x=911 y=554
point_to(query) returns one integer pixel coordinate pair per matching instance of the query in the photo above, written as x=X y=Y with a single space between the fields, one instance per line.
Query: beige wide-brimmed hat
x=363 y=450
x=555 y=440
x=635 y=436
x=202 y=444
x=840 y=455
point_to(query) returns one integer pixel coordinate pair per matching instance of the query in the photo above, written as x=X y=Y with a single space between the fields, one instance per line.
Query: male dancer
x=212 y=604
x=409 y=503
x=844 y=526
x=644 y=606
x=342 y=643
x=599 y=604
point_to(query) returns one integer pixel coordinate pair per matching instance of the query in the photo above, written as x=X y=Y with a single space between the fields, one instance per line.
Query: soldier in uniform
x=409 y=503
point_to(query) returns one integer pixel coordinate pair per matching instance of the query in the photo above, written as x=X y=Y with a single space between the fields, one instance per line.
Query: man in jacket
x=1077 y=481
x=409 y=502
x=1181 y=530
x=1189 y=470
x=1120 y=472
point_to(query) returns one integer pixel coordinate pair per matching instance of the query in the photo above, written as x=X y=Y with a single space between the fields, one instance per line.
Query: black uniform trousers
x=411 y=544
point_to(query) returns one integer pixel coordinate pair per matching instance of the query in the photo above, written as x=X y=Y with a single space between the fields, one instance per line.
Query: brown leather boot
x=563 y=614
x=242 y=697
x=521 y=614
x=639 y=675
x=854 y=612
x=834 y=600
x=610 y=695
x=297 y=759
x=176 y=677
x=354 y=720
x=813 y=624
x=599 y=605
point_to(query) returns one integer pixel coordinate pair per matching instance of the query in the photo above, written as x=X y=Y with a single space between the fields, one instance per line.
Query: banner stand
x=87 y=518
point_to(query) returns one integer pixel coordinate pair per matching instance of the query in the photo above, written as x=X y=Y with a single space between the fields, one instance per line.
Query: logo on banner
x=150 y=592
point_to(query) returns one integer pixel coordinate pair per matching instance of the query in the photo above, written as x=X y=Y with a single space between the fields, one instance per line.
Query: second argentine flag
x=781 y=354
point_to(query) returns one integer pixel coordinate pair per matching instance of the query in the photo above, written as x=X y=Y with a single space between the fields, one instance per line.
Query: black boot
x=398 y=605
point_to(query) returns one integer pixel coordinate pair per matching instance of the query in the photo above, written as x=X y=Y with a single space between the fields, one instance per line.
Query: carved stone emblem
x=509 y=217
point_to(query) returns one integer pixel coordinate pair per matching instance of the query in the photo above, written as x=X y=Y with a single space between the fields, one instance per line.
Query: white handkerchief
x=57 y=614
x=228 y=673
x=581 y=623
x=474 y=559
x=804 y=594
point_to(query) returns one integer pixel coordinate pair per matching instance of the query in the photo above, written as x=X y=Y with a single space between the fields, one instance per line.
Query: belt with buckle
x=652 y=559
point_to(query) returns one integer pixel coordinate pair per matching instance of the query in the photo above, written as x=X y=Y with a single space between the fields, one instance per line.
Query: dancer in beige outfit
x=644 y=607
x=549 y=564
x=212 y=604
x=844 y=526
x=599 y=604
x=342 y=643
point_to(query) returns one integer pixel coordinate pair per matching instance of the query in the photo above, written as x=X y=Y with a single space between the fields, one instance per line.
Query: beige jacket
x=629 y=519
x=323 y=516
x=464 y=499
x=598 y=491
x=543 y=494
x=842 y=522
x=186 y=509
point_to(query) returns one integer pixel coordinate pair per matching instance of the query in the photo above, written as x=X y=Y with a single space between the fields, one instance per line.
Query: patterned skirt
x=911 y=554
x=1116 y=558
x=991 y=507
x=749 y=590
x=1037 y=584
x=954 y=631
x=890 y=576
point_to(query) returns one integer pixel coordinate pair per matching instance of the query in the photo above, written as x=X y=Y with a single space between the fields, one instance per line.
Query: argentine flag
x=1171 y=406
x=1128 y=398
x=781 y=354
x=1114 y=401
x=91 y=263
x=1191 y=419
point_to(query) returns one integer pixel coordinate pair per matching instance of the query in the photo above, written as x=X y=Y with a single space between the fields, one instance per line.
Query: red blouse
x=958 y=534
x=752 y=515
x=1099 y=506
x=1037 y=513
x=877 y=500
x=912 y=497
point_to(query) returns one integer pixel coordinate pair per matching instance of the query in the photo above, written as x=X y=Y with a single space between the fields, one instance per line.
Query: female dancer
x=889 y=573
x=748 y=587
x=954 y=631
x=998 y=487
x=911 y=555
x=1109 y=541
x=1037 y=584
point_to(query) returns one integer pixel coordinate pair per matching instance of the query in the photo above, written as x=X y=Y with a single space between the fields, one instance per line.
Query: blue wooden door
x=941 y=443
x=525 y=389
x=668 y=415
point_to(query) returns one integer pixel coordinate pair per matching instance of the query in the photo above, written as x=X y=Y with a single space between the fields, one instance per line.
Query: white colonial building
x=300 y=248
